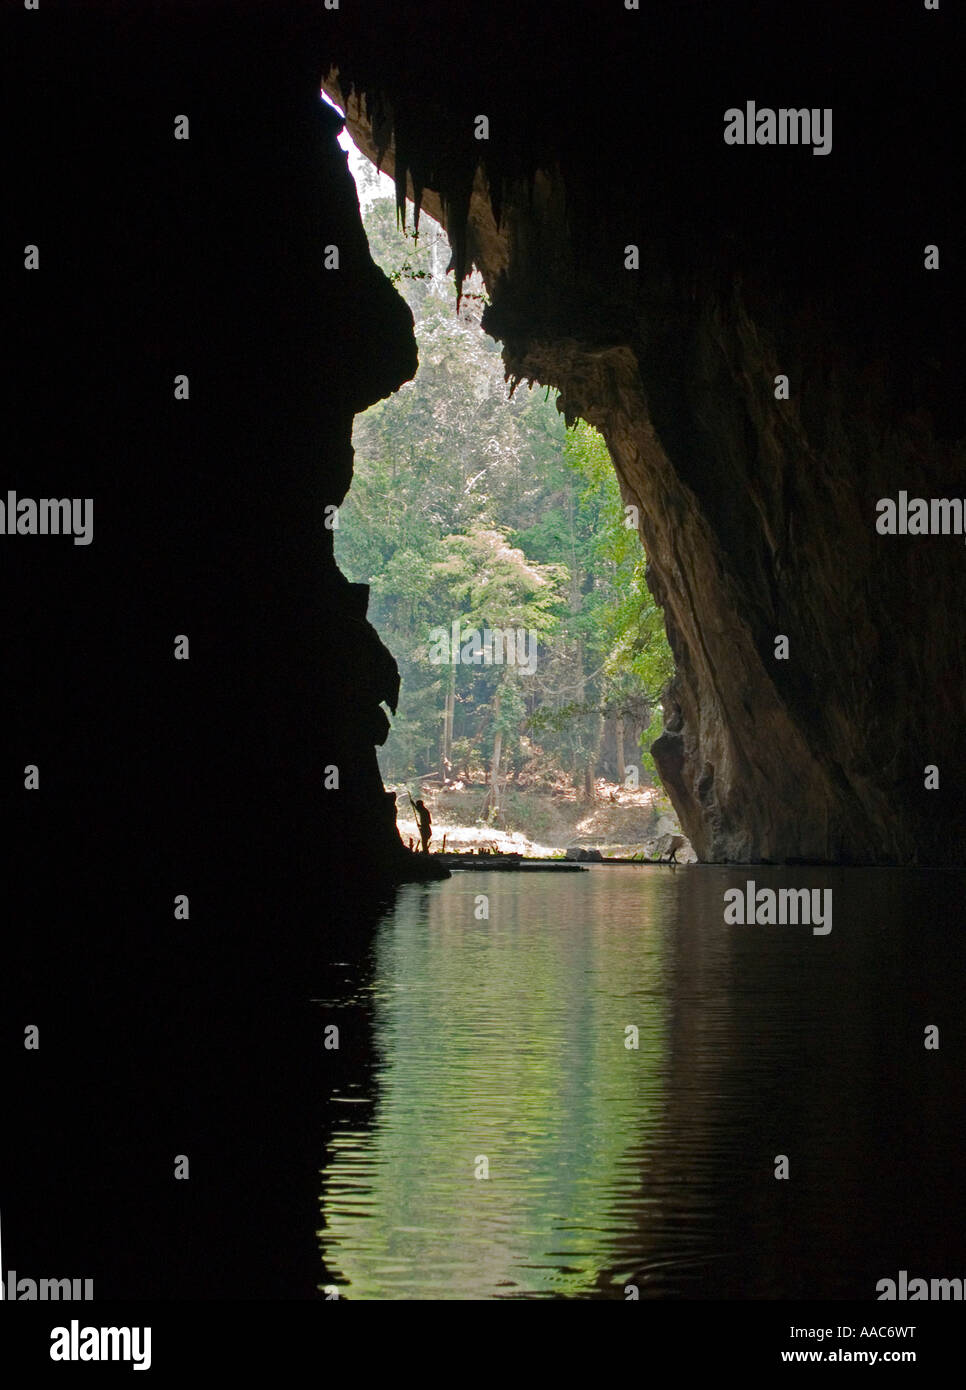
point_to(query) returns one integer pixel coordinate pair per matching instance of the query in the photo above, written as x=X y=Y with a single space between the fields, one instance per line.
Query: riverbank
x=543 y=822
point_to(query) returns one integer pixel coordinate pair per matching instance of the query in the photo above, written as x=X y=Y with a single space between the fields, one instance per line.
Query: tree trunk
x=497 y=754
x=446 y=746
x=590 y=768
x=619 y=740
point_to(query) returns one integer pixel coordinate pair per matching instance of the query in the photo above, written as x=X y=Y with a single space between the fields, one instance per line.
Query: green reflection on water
x=503 y=1038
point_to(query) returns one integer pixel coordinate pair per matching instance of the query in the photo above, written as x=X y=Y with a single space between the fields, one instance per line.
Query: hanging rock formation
x=605 y=132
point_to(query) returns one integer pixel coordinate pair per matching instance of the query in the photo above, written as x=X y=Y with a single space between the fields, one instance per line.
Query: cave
x=661 y=279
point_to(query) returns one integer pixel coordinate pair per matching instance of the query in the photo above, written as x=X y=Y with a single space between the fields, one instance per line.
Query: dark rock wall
x=202 y=257
x=160 y=777
x=606 y=129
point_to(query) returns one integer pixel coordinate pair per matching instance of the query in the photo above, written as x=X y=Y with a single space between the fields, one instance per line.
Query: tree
x=468 y=505
x=497 y=590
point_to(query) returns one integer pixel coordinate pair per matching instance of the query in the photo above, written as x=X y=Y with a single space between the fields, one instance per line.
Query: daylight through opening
x=507 y=578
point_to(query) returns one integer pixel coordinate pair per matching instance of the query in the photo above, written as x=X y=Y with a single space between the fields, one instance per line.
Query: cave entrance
x=506 y=577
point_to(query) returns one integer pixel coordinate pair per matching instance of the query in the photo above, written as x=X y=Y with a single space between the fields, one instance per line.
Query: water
x=504 y=1040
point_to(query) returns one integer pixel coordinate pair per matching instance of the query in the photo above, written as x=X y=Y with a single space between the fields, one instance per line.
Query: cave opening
x=507 y=578
x=759 y=396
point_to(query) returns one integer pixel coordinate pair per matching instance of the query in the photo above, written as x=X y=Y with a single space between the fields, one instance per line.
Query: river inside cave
x=510 y=1039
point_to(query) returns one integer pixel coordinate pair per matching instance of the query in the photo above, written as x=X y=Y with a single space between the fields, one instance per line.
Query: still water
x=504 y=1046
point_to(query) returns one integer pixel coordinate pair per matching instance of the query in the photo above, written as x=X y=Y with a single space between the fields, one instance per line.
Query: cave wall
x=758 y=515
x=204 y=257
x=163 y=1034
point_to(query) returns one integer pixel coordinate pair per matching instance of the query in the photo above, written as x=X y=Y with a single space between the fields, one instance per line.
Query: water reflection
x=506 y=1040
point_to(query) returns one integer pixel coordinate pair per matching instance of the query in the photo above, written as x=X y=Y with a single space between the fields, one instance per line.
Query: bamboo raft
x=502 y=863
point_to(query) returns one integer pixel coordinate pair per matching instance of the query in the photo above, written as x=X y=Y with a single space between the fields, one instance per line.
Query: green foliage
x=648 y=737
x=471 y=507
